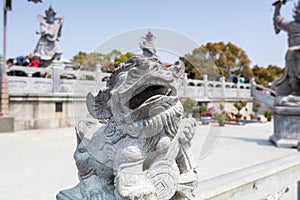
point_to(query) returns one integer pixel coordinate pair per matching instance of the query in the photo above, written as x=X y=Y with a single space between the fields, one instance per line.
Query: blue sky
x=247 y=24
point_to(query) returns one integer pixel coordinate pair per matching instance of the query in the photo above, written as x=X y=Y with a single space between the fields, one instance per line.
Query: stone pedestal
x=286 y=126
x=6 y=124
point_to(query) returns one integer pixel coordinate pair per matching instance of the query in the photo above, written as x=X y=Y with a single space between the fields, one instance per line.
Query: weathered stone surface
x=290 y=101
x=286 y=126
x=36 y=111
x=6 y=124
x=289 y=82
x=142 y=150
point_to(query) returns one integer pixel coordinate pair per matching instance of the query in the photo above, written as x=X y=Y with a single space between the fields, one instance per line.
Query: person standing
x=33 y=62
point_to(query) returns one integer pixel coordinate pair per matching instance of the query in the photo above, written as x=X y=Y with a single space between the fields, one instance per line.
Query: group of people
x=25 y=61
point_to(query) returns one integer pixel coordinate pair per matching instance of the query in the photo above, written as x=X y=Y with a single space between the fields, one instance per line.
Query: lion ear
x=98 y=106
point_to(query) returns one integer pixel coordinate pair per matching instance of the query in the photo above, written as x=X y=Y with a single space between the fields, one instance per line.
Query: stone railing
x=203 y=90
x=275 y=179
x=59 y=81
x=75 y=81
x=263 y=94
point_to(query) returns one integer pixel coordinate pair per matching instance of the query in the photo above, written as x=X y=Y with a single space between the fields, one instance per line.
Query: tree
x=123 y=58
x=215 y=58
x=264 y=76
x=80 y=57
x=113 y=59
x=89 y=60
x=107 y=61
x=199 y=63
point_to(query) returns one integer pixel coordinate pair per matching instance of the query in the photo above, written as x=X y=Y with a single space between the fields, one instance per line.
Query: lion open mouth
x=151 y=92
x=147 y=99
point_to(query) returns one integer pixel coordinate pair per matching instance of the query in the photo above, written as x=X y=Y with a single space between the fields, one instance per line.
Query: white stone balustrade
x=84 y=81
x=203 y=90
x=60 y=81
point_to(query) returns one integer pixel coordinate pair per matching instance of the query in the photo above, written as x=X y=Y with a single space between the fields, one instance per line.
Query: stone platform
x=286 y=127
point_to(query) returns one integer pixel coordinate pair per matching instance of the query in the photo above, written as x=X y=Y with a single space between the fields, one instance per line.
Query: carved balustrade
x=75 y=81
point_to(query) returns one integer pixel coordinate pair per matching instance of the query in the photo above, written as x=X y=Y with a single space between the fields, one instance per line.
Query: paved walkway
x=236 y=147
x=36 y=164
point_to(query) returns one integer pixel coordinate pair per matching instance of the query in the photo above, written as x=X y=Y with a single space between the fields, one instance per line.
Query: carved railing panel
x=80 y=82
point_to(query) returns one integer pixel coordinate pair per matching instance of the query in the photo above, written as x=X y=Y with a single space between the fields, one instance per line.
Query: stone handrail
x=275 y=179
x=263 y=94
x=205 y=90
x=29 y=71
x=83 y=81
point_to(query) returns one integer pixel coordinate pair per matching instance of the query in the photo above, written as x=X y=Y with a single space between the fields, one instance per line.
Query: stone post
x=223 y=88
x=29 y=74
x=252 y=82
x=238 y=85
x=55 y=77
x=205 y=79
x=4 y=81
x=4 y=92
x=99 y=83
x=6 y=122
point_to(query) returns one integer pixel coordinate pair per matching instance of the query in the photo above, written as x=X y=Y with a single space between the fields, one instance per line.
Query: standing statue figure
x=147 y=45
x=289 y=83
x=47 y=48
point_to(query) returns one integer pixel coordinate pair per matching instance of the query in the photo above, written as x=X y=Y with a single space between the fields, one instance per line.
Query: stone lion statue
x=139 y=146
